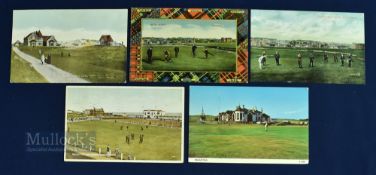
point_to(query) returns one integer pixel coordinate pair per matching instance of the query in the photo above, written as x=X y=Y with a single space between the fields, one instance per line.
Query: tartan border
x=240 y=76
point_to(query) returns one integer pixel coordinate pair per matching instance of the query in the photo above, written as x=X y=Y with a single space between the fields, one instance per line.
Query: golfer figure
x=300 y=60
x=150 y=54
x=261 y=61
x=167 y=56
x=277 y=56
x=206 y=53
x=264 y=55
x=266 y=126
x=176 y=49
x=342 y=59
x=325 y=57
x=335 y=58
x=311 y=58
x=350 y=60
x=194 y=47
x=108 y=151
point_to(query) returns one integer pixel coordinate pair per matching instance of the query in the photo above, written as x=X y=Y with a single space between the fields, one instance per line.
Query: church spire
x=202 y=117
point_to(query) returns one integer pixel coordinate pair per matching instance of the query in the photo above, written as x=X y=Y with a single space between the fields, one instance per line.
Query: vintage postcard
x=307 y=47
x=189 y=45
x=261 y=125
x=69 y=46
x=124 y=124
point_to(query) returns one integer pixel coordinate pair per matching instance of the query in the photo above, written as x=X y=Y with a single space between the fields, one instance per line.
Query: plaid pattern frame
x=136 y=74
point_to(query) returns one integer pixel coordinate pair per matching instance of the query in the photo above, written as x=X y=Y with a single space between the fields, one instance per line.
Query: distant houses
x=107 y=40
x=183 y=41
x=155 y=41
x=271 y=42
x=86 y=115
x=227 y=40
x=358 y=46
x=36 y=38
x=80 y=43
x=263 y=42
x=243 y=115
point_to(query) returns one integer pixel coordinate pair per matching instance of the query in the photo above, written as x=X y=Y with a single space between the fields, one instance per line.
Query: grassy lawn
x=22 y=72
x=96 y=64
x=247 y=141
x=218 y=60
x=288 y=71
x=159 y=143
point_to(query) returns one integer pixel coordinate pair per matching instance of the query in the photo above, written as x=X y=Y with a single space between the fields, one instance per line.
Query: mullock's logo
x=55 y=141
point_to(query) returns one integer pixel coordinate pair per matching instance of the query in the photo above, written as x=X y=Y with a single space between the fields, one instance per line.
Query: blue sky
x=336 y=27
x=125 y=99
x=167 y=28
x=291 y=103
x=67 y=25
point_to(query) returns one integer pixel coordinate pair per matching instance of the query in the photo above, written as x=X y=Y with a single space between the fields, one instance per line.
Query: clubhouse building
x=153 y=113
x=243 y=115
x=36 y=38
x=94 y=112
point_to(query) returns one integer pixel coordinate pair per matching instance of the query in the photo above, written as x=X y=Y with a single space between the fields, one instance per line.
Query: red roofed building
x=106 y=40
x=37 y=39
x=49 y=41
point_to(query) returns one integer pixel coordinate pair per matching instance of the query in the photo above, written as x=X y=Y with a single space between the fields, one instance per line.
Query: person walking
x=42 y=58
x=49 y=59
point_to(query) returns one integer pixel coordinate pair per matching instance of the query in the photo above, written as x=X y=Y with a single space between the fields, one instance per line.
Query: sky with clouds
x=125 y=99
x=336 y=27
x=190 y=28
x=287 y=103
x=69 y=25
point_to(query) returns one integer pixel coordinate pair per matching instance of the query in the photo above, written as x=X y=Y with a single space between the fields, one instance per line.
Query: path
x=51 y=73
